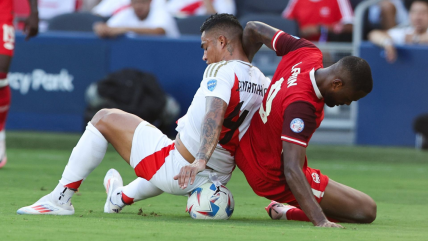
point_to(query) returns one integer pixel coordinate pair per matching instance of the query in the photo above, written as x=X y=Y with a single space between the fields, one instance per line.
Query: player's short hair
x=225 y=22
x=359 y=72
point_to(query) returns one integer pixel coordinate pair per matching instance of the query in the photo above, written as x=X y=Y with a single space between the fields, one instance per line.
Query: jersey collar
x=314 y=84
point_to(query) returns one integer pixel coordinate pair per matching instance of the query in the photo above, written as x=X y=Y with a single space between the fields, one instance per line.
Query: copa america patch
x=297 y=125
x=211 y=84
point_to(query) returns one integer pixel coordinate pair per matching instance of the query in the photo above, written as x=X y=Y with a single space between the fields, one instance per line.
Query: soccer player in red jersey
x=272 y=154
x=7 y=44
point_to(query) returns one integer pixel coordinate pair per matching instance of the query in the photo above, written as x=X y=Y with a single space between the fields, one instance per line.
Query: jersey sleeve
x=299 y=123
x=218 y=81
x=283 y=43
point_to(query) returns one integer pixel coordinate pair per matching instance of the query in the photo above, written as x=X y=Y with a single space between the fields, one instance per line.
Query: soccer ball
x=210 y=202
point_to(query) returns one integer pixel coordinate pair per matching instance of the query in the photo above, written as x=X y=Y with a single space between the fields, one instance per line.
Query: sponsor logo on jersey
x=23 y=82
x=251 y=87
x=211 y=84
x=316 y=177
x=293 y=78
x=297 y=125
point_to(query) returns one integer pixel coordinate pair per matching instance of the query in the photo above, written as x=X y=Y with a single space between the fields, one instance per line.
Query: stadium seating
x=245 y=7
x=74 y=22
x=191 y=25
x=286 y=25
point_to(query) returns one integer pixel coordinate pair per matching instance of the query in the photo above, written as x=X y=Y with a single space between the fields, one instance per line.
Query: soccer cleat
x=113 y=183
x=46 y=205
x=278 y=209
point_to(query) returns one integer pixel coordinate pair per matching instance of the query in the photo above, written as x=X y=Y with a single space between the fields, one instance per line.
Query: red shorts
x=7 y=38
x=279 y=191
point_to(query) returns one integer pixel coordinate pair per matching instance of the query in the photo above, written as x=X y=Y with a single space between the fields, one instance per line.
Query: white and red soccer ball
x=210 y=202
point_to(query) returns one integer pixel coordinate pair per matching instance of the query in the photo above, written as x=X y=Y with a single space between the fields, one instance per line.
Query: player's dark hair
x=359 y=72
x=224 y=21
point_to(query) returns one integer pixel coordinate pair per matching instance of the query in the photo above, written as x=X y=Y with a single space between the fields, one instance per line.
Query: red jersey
x=291 y=111
x=6 y=11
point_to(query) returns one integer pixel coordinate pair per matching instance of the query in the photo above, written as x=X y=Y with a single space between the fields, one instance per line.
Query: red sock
x=127 y=200
x=74 y=185
x=5 y=97
x=298 y=215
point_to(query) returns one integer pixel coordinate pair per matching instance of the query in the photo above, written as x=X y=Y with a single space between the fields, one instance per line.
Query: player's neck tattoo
x=230 y=48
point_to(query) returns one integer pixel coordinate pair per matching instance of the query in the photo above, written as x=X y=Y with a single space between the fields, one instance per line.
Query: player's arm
x=299 y=124
x=211 y=129
x=255 y=35
x=294 y=157
x=31 y=27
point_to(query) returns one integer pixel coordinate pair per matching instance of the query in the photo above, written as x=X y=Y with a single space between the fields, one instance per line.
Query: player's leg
x=347 y=204
x=5 y=97
x=108 y=125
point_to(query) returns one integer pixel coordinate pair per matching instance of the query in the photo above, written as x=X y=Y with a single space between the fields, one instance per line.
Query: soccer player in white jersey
x=230 y=93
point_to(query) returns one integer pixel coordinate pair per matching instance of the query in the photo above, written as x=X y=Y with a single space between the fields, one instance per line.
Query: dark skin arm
x=293 y=157
x=211 y=128
x=31 y=25
x=255 y=35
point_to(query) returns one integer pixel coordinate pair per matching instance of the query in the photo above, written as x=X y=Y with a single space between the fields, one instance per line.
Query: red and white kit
x=7 y=32
x=196 y=7
x=153 y=155
x=291 y=111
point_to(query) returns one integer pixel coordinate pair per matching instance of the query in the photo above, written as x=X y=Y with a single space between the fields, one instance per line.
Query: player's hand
x=31 y=26
x=188 y=173
x=328 y=224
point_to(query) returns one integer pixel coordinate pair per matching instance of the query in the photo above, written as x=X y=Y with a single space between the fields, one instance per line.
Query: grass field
x=395 y=177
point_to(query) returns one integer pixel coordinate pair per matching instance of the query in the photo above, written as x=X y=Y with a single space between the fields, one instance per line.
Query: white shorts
x=154 y=158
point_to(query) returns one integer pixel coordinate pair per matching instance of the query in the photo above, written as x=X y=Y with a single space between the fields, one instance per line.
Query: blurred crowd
x=387 y=24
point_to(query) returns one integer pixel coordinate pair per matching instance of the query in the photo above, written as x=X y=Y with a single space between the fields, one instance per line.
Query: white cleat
x=46 y=205
x=113 y=183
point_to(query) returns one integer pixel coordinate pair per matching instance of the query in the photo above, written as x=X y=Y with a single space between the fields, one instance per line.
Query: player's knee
x=102 y=118
x=369 y=211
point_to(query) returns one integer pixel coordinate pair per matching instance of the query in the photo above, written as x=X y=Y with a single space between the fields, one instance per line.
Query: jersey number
x=272 y=93
x=232 y=125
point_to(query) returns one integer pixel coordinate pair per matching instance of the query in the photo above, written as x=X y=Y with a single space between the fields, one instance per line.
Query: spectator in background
x=183 y=8
x=416 y=33
x=107 y=8
x=322 y=20
x=51 y=8
x=140 y=18
x=387 y=14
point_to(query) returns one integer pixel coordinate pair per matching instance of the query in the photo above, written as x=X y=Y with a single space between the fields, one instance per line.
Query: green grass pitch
x=395 y=177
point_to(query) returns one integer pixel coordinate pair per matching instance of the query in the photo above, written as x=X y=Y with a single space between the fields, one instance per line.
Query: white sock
x=86 y=156
x=140 y=189
x=62 y=194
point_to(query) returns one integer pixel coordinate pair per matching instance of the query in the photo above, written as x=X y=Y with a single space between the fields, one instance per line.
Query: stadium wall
x=400 y=93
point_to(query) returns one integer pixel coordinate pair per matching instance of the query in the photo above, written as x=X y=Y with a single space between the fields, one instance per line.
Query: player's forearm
x=33 y=6
x=299 y=186
x=211 y=127
x=255 y=35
